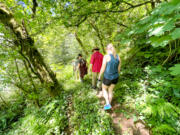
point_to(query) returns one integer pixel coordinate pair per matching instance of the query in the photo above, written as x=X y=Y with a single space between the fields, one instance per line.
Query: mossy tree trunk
x=27 y=49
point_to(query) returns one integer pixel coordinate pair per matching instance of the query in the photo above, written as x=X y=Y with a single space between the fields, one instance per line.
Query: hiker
x=111 y=68
x=95 y=65
x=75 y=68
x=82 y=67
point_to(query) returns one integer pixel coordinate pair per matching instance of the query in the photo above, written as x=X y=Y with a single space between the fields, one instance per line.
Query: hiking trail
x=121 y=124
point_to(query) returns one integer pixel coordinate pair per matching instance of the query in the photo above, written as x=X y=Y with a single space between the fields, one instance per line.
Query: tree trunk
x=32 y=83
x=81 y=44
x=29 y=51
x=152 y=4
x=98 y=35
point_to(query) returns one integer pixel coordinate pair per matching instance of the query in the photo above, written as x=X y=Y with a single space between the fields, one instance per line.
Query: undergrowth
x=49 y=119
x=52 y=118
x=151 y=92
x=87 y=115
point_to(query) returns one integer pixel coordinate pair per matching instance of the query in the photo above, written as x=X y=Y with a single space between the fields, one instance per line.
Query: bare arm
x=91 y=63
x=90 y=68
x=119 y=67
x=103 y=67
x=78 y=65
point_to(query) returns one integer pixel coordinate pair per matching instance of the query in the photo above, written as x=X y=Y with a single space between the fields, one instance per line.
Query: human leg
x=94 y=79
x=110 y=92
x=99 y=84
x=73 y=71
x=81 y=79
x=82 y=75
x=77 y=74
x=105 y=93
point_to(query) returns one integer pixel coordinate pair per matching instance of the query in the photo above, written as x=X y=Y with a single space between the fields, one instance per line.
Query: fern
x=164 y=129
x=158 y=107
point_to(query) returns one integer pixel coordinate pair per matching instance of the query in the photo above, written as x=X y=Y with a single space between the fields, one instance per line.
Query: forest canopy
x=39 y=40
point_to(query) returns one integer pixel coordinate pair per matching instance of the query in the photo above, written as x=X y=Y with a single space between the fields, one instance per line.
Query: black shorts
x=108 y=82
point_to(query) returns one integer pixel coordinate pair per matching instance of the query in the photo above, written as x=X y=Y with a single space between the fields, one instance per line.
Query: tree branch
x=118 y=11
x=35 y=5
x=98 y=35
x=128 y=3
x=80 y=21
x=119 y=23
x=80 y=43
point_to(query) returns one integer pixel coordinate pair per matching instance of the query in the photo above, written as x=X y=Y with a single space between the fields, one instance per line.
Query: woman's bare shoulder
x=107 y=57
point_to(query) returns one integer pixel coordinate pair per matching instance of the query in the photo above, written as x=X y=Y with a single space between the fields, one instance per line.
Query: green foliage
x=175 y=34
x=175 y=70
x=49 y=119
x=164 y=129
x=12 y=111
x=87 y=117
x=160 y=24
x=162 y=116
x=155 y=95
x=145 y=86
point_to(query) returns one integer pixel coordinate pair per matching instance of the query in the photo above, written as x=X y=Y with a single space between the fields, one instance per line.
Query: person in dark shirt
x=82 y=66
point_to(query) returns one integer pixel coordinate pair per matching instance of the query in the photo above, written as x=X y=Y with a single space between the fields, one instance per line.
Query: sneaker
x=107 y=107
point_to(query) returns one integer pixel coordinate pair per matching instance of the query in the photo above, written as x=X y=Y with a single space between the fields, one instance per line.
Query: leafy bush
x=11 y=113
x=49 y=119
x=155 y=94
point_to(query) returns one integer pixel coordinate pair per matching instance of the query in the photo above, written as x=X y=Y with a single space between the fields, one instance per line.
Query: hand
x=99 y=83
x=99 y=78
x=89 y=70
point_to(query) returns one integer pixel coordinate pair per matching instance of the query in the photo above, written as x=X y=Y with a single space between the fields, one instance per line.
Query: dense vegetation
x=40 y=38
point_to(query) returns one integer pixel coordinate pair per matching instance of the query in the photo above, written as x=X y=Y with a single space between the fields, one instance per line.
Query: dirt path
x=123 y=125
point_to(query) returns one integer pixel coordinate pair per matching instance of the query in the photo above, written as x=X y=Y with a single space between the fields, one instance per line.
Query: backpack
x=83 y=65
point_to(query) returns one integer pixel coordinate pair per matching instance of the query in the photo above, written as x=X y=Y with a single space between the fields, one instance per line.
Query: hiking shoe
x=107 y=107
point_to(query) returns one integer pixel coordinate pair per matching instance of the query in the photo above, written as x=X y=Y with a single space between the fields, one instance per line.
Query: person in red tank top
x=95 y=65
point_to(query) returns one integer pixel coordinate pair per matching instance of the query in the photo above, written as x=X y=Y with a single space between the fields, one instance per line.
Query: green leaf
x=175 y=70
x=156 y=31
x=169 y=25
x=145 y=20
x=160 y=41
x=164 y=9
x=175 y=34
x=125 y=41
x=177 y=16
x=161 y=28
x=147 y=55
x=177 y=92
